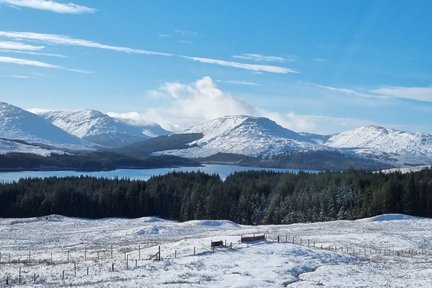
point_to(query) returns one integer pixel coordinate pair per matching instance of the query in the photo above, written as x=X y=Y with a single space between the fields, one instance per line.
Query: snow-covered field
x=52 y=251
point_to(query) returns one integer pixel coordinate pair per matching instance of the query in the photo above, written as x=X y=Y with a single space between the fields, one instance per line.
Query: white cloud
x=35 y=63
x=49 y=5
x=245 y=66
x=322 y=60
x=70 y=41
x=387 y=92
x=235 y=82
x=347 y=91
x=189 y=104
x=314 y=123
x=20 y=76
x=133 y=118
x=259 y=57
x=19 y=61
x=66 y=40
x=34 y=53
x=10 y=45
x=411 y=93
x=186 y=105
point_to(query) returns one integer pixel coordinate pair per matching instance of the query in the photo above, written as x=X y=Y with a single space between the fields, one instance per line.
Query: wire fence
x=30 y=267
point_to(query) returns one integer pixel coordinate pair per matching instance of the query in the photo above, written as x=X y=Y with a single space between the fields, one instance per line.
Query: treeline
x=88 y=161
x=254 y=197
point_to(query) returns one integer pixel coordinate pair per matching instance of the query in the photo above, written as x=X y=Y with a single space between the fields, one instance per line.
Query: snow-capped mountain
x=243 y=135
x=16 y=123
x=388 y=145
x=261 y=137
x=246 y=135
x=99 y=128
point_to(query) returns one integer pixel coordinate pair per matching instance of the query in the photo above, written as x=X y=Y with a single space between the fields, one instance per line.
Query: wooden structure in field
x=245 y=239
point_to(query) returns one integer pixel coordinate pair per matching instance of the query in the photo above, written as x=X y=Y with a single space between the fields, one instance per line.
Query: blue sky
x=315 y=66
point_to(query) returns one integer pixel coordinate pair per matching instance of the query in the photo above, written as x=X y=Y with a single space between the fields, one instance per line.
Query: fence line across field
x=22 y=267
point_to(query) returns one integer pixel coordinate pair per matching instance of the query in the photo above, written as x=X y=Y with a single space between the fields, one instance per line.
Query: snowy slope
x=252 y=136
x=99 y=128
x=16 y=123
x=383 y=251
x=389 y=145
x=10 y=146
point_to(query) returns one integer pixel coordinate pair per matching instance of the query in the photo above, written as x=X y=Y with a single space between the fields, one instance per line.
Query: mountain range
x=238 y=139
x=99 y=128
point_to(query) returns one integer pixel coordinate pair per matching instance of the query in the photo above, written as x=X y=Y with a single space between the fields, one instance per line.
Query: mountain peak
x=16 y=123
x=99 y=128
x=247 y=135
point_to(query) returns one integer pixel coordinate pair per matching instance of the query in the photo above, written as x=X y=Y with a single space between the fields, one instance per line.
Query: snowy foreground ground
x=53 y=251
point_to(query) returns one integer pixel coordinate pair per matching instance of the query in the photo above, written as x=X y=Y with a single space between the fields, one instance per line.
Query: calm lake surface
x=136 y=174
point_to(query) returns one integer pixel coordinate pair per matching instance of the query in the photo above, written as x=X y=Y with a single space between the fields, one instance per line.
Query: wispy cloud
x=246 y=83
x=244 y=66
x=322 y=60
x=69 y=41
x=49 y=5
x=20 y=76
x=178 y=33
x=187 y=104
x=259 y=57
x=12 y=45
x=411 y=93
x=387 y=92
x=35 y=63
x=19 y=61
x=348 y=91
x=319 y=124
x=34 y=53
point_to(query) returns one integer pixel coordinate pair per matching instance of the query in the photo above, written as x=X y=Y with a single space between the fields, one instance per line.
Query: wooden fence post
x=159 y=253
x=63 y=275
x=19 y=276
x=112 y=267
x=127 y=262
x=87 y=270
x=278 y=238
x=75 y=268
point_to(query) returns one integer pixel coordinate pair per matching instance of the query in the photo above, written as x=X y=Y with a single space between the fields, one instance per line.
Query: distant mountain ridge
x=19 y=124
x=390 y=145
x=241 y=139
x=261 y=137
x=99 y=128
